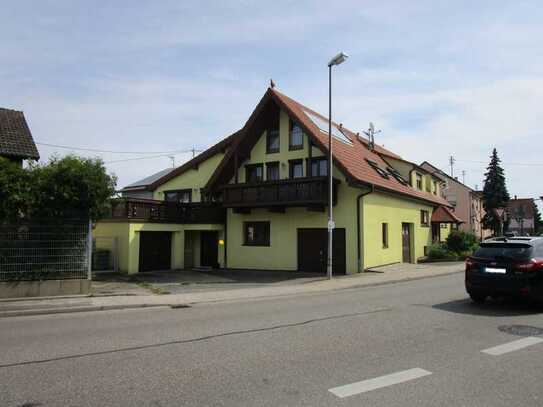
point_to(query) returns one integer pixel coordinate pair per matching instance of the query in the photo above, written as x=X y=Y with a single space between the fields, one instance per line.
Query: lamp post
x=338 y=59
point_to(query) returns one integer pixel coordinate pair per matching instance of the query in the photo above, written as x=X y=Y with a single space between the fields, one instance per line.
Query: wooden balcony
x=310 y=192
x=144 y=210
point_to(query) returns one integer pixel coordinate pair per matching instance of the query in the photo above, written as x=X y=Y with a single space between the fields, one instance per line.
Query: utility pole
x=451 y=163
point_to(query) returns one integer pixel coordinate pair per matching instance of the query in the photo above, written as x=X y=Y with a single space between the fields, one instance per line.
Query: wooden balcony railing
x=166 y=212
x=289 y=192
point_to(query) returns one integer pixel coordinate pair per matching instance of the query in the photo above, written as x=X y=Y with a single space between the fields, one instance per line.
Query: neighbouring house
x=521 y=216
x=257 y=200
x=144 y=188
x=16 y=142
x=467 y=203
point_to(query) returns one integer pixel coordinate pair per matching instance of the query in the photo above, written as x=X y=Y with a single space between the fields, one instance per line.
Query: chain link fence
x=44 y=251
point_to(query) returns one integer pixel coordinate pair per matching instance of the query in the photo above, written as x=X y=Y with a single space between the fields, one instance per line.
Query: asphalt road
x=418 y=343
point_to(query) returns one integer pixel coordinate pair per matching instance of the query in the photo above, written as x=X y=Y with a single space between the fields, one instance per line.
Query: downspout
x=359 y=235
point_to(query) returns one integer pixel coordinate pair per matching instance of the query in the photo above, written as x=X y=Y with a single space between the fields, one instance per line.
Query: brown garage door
x=155 y=251
x=313 y=250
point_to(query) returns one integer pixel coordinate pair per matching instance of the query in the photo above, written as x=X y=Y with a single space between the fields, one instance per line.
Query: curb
x=89 y=308
x=52 y=311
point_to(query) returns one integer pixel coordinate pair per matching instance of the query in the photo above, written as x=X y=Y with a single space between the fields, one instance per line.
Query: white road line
x=512 y=346
x=378 y=382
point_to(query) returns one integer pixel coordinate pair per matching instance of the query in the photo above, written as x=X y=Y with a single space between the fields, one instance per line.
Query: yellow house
x=266 y=185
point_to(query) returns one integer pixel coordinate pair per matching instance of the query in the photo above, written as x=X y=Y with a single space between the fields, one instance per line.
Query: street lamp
x=338 y=59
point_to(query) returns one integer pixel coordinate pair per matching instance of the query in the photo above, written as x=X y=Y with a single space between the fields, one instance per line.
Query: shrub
x=459 y=242
x=438 y=251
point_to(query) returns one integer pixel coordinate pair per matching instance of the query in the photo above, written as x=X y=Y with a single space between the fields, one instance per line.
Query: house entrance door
x=406 y=243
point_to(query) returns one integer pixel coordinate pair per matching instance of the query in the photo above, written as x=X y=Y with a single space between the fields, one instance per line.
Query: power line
x=504 y=163
x=117 y=152
x=141 y=158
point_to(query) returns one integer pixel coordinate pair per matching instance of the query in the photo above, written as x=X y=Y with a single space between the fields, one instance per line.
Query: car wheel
x=477 y=298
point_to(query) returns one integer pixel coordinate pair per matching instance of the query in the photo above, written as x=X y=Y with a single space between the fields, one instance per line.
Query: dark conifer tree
x=495 y=195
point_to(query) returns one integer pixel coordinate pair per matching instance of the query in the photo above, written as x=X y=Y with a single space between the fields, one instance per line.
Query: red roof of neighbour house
x=442 y=214
x=351 y=157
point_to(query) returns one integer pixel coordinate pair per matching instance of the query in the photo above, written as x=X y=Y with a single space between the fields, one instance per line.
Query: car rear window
x=501 y=250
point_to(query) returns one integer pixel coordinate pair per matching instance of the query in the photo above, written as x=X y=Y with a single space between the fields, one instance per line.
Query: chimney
x=515 y=197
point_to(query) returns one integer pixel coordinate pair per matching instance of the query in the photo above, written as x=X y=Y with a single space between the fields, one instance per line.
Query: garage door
x=155 y=251
x=313 y=250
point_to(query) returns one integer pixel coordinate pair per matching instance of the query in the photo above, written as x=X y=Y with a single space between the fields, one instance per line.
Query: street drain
x=176 y=306
x=521 y=330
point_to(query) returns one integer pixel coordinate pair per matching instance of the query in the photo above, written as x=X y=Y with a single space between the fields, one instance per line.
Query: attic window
x=378 y=169
x=398 y=176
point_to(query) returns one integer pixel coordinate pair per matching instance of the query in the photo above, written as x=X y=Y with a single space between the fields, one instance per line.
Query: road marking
x=512 y=346
x=378 y=382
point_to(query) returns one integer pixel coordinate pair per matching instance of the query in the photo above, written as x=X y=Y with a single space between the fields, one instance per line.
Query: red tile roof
x=352 y=158
x=443 y=214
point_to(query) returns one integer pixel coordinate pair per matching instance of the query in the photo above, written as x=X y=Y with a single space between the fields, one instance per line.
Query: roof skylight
x=322 y=124
x=377 y=169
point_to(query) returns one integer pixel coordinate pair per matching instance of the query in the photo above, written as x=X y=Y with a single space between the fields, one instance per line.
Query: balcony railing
x=289 y=192
x=166 y=212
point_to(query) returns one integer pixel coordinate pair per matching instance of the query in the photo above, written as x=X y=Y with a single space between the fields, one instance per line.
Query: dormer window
x=418 y=181
x=398 y=176
x=377 y=169
x=295 y=137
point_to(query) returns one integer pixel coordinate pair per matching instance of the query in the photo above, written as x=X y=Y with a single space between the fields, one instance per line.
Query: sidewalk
x=377 y=276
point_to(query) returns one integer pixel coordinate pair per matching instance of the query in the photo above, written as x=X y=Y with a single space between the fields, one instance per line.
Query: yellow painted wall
x=192 y=179
x=383 y=208
x=105 y=231
x=128 y=235
x=282 y=254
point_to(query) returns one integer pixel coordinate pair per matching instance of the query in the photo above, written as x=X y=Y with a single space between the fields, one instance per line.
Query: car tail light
x=469 y=264
x=530 y=266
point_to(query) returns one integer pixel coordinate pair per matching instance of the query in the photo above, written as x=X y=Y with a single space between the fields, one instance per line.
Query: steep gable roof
x=15 y=136
x=353 y=158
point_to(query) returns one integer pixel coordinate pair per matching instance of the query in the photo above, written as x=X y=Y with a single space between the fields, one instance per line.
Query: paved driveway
x=182 y=281
x=421 y=267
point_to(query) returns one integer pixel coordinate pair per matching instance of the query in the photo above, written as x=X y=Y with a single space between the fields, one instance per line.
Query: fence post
x=89 y=251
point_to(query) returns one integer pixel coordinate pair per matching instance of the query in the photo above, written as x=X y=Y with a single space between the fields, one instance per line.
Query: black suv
x=505 y=266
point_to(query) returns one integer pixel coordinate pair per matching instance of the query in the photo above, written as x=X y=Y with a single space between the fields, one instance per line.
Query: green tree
x=538 y=223
x=69 y=187
x=495 y=193
x=72 y=187
x=15 y=191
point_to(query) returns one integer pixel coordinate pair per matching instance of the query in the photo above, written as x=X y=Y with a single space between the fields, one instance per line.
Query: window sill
x=272 y=151
x=255 y=245
x=295 y=148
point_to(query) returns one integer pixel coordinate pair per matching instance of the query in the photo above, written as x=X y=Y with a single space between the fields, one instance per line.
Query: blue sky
x=438 y=78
